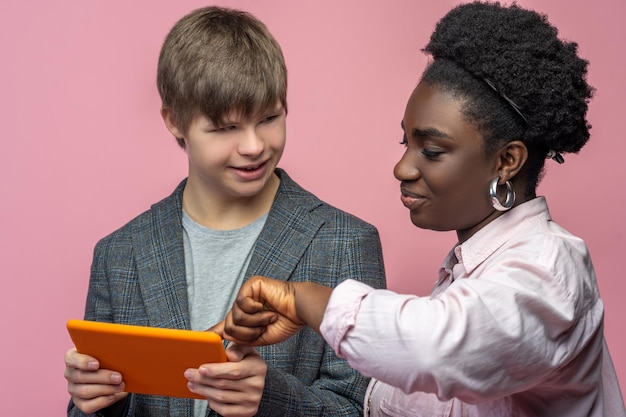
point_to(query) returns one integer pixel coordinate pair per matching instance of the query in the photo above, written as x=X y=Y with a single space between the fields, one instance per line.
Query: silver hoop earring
x=493 y=195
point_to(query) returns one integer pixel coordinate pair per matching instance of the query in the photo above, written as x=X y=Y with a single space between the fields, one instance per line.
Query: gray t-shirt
x=216 y=263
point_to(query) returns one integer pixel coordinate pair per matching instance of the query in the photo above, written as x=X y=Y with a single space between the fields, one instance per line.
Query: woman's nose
x=406 y=168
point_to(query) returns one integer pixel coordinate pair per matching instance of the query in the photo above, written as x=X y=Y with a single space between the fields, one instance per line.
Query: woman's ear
x=170 y=122
x=512 y=158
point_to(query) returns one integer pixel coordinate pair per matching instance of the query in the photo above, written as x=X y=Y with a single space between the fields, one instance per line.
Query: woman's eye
x=431 y=154
x=404 y=141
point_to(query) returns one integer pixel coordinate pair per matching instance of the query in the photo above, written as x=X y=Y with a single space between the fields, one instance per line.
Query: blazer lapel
x=288 y=231
x=160 y=257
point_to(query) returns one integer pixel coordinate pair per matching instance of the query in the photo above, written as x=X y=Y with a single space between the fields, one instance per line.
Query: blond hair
x=216 y=61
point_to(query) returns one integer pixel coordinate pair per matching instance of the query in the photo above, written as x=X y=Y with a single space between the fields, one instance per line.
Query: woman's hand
x=264 y=313
x=268 y=311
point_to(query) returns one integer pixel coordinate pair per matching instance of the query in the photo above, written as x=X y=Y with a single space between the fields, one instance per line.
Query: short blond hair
x=216 y=61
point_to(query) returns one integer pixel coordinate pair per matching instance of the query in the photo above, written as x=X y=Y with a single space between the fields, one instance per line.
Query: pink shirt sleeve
x=454 y=342
x=341 y=312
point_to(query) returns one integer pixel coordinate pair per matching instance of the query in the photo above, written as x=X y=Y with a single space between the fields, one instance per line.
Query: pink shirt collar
x=487 y=240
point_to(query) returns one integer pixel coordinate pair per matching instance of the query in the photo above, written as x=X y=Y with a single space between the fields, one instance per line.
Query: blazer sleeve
x=138 y=277
x=98 y=305
x=112 y=270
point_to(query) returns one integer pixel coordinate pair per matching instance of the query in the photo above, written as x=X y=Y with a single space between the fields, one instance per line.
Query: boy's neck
x=206 y=209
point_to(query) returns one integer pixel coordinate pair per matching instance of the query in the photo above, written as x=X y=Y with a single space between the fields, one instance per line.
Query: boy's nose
x=251 y=143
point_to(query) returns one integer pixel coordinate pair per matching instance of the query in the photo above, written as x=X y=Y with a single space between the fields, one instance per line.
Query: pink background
x=85 y=149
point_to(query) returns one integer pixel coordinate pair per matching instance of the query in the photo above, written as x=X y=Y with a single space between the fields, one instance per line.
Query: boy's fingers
x=218 y=328
x=237 y=352
x=69 y=357
x=77 y=360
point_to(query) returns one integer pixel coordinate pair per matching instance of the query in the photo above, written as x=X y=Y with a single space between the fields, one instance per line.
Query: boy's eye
x=269 y=118
x=224 y=128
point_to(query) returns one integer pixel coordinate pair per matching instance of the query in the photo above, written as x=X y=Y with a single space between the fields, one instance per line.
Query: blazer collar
x=290 y=227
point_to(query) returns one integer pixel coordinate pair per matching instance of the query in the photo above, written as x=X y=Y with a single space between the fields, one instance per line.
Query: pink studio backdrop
x=85 y=149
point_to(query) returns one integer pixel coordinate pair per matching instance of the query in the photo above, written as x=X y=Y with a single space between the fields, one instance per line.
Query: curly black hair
x=500 y=57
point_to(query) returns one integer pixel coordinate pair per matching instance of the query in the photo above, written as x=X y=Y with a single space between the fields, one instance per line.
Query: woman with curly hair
x=514 y=325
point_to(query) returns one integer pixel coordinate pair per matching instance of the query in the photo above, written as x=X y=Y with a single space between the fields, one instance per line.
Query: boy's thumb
x=218 y=328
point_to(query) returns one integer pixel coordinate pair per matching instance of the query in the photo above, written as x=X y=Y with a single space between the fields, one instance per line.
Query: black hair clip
x=508 y=100
x=556 y=156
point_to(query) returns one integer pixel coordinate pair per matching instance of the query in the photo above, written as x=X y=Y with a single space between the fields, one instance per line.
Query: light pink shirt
x=513 y=327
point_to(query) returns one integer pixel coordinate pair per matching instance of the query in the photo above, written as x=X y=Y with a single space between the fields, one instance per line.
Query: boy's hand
x=233 y=388
x=91 y=388
x=264 y=313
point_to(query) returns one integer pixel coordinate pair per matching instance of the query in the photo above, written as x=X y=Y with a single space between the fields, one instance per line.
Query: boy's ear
x=513 y=156
x=170 y=122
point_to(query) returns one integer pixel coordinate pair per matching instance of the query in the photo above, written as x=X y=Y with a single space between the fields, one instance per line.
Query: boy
x=223 y=83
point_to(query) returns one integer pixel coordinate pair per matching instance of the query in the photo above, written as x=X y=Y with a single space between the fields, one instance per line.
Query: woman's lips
x=411 y=200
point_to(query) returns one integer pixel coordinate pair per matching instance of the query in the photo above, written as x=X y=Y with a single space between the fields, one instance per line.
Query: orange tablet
x=151 y=360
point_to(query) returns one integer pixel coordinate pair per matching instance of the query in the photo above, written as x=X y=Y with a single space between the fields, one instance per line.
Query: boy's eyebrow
x=429 y=131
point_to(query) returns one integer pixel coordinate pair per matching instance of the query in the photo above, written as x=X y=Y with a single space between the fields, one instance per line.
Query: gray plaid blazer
x=138 y=277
